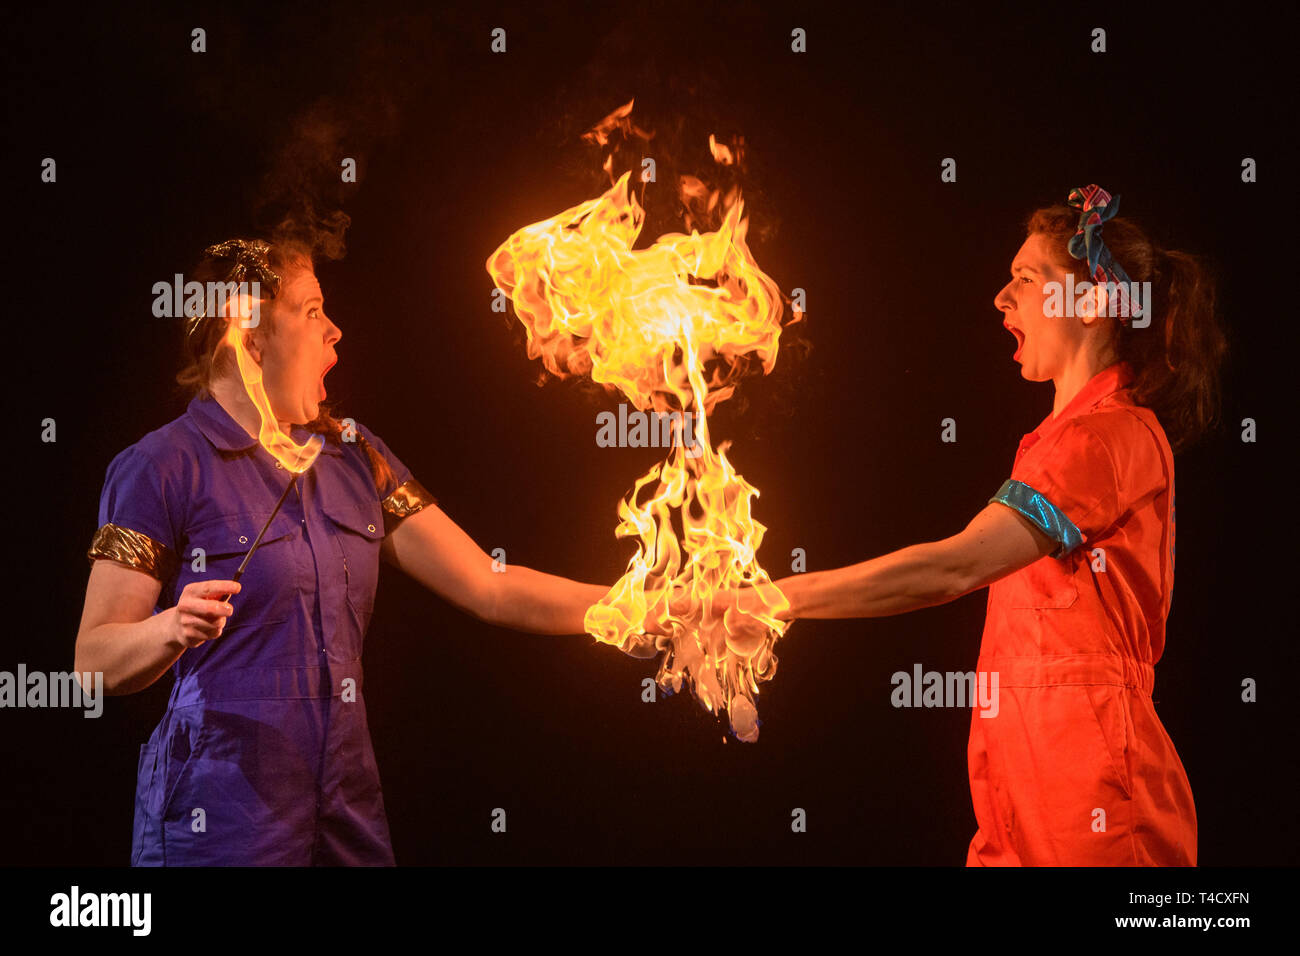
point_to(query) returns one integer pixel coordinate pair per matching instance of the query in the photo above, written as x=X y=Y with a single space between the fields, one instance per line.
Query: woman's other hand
x=200 y=614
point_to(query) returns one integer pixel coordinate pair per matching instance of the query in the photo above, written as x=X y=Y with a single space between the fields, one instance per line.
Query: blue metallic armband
x=1049 y=518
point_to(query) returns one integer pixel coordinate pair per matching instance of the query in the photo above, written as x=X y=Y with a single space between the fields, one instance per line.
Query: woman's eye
x=314 y=313
x=1026 y=279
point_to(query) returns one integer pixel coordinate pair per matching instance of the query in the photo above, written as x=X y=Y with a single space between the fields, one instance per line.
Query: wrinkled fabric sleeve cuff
x=135 y=550
x=408 y=498
x=1050 y=519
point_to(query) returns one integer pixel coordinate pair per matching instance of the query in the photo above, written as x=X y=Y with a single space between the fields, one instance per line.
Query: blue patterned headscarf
x=1097 y=206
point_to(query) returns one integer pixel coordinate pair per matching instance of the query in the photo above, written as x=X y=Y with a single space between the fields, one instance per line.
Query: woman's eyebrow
x=1018 y=267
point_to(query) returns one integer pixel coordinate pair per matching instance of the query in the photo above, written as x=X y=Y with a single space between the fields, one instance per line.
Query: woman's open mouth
x=1020 y=340
x=324 y=372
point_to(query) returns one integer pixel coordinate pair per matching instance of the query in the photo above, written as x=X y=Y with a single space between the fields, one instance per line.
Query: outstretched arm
x=997 y=542
x=435 y=551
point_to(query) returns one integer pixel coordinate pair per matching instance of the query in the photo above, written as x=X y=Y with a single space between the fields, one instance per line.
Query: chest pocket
x=273 y=574
x=1047 y=583
x=359 y=530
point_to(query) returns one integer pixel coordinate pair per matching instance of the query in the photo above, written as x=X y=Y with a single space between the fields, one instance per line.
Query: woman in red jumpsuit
x=1077 y=550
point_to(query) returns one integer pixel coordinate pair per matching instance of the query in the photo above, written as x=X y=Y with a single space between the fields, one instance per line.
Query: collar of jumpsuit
x=226 y=434
x=1072 y=766
x=263 y=756
x=1101 y=385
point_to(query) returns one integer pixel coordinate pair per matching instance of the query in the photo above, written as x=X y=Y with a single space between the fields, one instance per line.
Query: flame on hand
x=672 y=326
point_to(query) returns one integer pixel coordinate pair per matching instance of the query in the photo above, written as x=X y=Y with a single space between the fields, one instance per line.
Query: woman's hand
x=200 y=614
x=729 y=616
x=121 y=636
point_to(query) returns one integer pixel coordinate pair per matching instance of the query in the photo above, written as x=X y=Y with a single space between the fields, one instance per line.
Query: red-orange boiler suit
x=1073 y=767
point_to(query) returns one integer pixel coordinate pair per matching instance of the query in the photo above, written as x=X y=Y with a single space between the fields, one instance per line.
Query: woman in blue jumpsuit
x=264 y=755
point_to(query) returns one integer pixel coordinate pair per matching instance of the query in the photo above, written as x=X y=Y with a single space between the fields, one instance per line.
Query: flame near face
x=297 y=355
x=672 y=327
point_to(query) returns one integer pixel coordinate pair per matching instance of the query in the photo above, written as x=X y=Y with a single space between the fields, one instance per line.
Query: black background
x=161 y=151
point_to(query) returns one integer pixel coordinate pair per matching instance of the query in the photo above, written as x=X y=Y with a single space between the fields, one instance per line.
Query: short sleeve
x=1069 y=489
x=403 y=495
x=139 y=518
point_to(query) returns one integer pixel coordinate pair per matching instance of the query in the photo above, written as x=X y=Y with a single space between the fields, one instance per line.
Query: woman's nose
x=1002 y=301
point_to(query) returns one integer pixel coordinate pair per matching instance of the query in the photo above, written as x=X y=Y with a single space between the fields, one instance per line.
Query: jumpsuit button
x=278 y=465
x=370 y=528
x=243 y=539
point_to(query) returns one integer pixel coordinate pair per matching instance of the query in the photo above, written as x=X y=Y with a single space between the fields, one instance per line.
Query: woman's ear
x=1092 y=303
x=246 y=312
x=252 y=344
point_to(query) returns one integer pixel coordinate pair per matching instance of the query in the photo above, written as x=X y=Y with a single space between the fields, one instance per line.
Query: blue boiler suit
x=263 y=756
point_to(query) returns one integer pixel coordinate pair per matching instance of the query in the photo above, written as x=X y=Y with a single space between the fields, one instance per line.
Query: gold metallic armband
x=135 y=550
x=409 y=498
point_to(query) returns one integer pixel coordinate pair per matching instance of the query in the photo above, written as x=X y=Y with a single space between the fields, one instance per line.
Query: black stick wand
x=293 y=478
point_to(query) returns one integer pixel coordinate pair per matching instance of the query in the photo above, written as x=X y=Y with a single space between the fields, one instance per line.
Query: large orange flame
x=671 y=326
